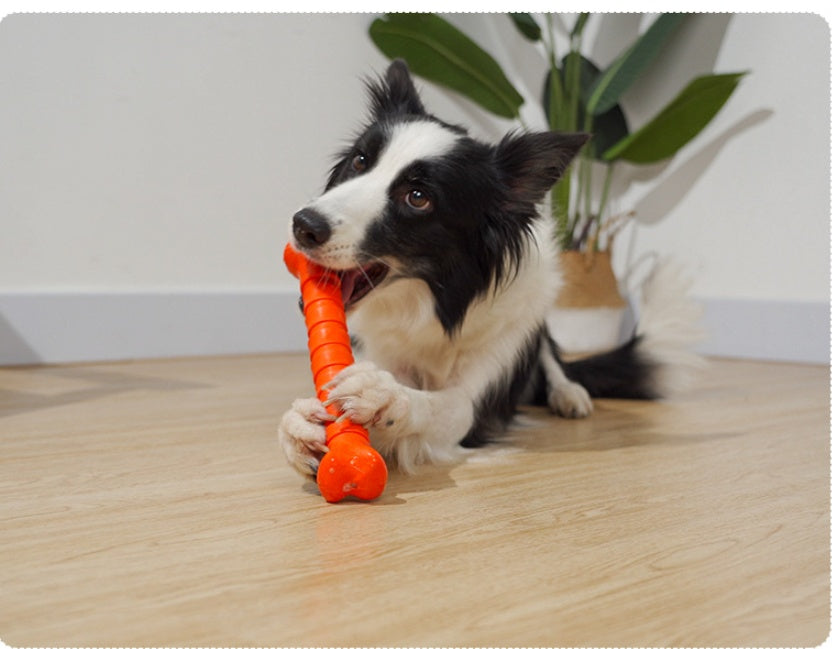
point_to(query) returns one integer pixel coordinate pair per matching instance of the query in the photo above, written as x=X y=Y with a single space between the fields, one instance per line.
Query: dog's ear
x=395 y=93
x=530 y=163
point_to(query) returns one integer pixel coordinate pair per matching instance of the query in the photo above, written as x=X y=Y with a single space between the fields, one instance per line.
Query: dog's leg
x=406 y=424
x=565 y=397
x=302 y=435
x=369 y=396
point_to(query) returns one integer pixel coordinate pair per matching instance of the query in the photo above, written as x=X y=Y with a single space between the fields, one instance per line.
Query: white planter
x=588 y=312
x=586 y=330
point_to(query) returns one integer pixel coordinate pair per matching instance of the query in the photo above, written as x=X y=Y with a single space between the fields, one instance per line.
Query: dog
x=448 y=271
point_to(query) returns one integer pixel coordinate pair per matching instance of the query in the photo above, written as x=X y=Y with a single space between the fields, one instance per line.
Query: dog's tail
x=658 y=360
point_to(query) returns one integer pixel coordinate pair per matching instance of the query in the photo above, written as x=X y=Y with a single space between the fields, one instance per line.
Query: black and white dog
x=448 y=271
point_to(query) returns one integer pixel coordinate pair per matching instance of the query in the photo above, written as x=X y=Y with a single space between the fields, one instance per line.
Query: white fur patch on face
x=351 y=206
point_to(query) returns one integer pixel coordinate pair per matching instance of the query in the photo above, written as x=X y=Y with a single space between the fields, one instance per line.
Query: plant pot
x=589 y=308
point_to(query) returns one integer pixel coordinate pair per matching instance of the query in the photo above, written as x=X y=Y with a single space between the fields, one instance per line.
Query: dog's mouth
x=360 y=281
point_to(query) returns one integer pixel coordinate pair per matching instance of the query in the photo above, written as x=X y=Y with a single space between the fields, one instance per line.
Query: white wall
x=748 y=201
x=158 y=152
x=161 y=155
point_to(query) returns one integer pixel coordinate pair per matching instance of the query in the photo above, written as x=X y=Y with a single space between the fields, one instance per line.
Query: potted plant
x=576 y=95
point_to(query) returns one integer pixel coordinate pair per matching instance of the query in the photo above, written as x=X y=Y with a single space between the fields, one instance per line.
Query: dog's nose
x=310 y=228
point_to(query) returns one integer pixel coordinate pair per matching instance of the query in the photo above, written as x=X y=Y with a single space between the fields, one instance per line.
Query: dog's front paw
x=369 y=396
x=302 y=435
x=570 y=400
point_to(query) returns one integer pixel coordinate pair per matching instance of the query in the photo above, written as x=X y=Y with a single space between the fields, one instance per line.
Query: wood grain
x=147 y=503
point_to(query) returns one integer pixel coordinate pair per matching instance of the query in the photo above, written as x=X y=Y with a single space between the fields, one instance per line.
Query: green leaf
x=580 y=25
x=554 y=100
x=677 y=123
x=608 y=128
x=527 y=26
x=438 y=52
x=614 y=80
x=571 y=78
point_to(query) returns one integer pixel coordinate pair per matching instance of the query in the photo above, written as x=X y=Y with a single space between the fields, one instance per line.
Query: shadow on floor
x=427 y=478
x=614 y=425
x=100 y=384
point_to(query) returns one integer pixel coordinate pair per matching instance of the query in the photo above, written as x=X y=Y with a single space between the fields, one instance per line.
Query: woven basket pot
x=589 y=308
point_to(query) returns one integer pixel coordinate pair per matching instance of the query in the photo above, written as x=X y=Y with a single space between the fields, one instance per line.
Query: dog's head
x=416 y=197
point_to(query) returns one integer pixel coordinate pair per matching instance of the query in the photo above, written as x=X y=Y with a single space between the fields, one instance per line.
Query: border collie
x=448 y=271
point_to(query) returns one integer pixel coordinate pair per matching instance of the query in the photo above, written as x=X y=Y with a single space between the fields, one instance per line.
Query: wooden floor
x=147 y=503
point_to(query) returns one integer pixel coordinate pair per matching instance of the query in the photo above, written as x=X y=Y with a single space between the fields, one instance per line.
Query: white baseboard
x=76 y=327
x=768 y=330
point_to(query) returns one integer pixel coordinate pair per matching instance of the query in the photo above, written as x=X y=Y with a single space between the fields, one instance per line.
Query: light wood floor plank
x=147 y=503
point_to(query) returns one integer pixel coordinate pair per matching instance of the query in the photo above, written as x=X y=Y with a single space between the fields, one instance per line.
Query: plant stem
x=604 y=198
x=577 y=170
x=587 y=163
x=561 y=192
x=584 y=190
x=549 y=43
x=581 y=183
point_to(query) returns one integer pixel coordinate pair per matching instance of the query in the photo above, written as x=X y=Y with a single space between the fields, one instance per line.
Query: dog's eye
x=418 y=200
x=360 y=162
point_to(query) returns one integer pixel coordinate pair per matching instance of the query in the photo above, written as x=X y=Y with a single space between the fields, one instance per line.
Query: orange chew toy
x=351 y=467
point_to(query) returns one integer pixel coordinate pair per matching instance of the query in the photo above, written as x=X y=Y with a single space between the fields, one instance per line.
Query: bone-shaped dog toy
x=351 y=467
